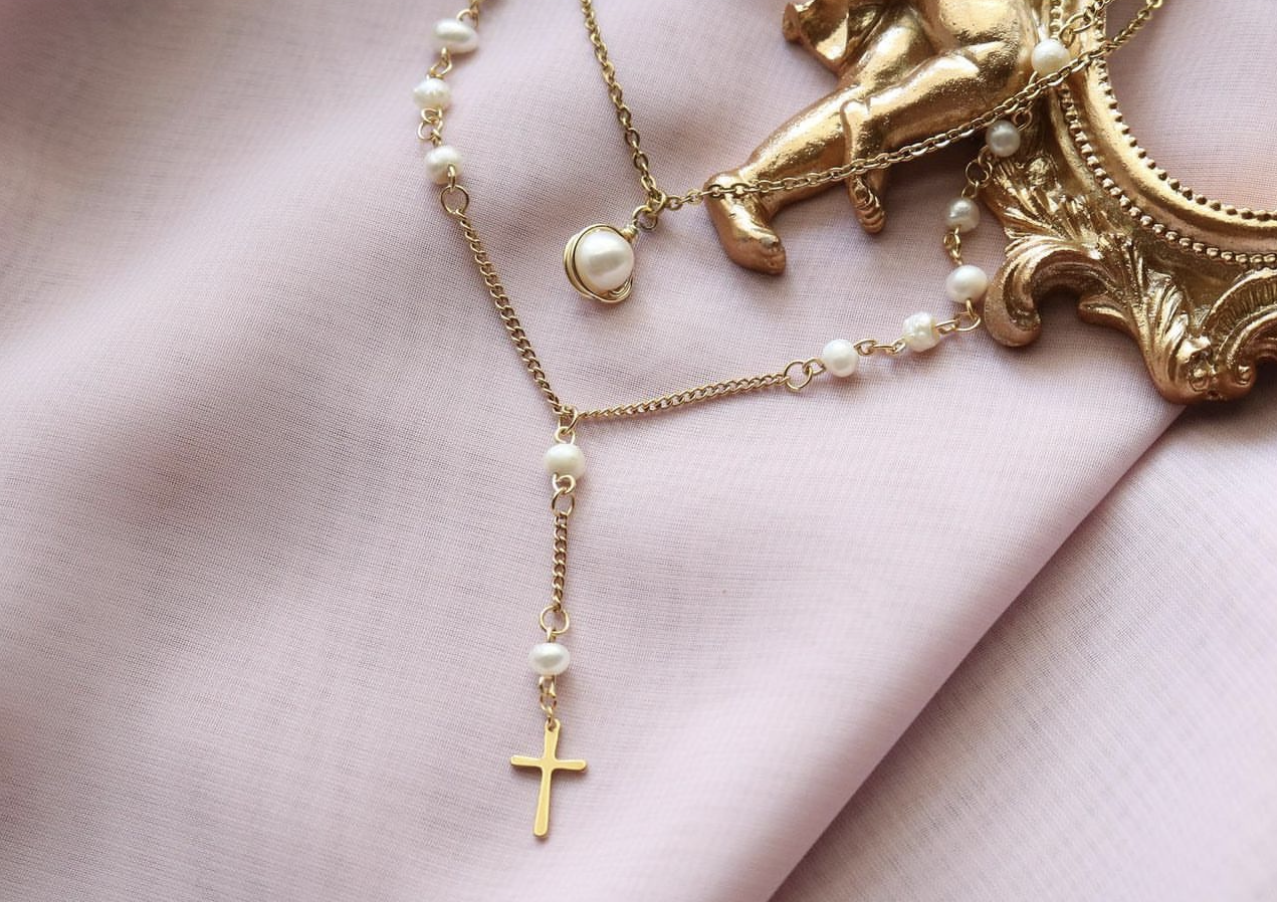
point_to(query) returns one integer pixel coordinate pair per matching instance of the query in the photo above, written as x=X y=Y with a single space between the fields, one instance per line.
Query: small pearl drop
x=564 y=459
x=549 y=658
x=1003 y=138
x=920 y=332
x=604 y=260
x=963 y=215
x=455 y=36
x=967 y=283
x=840 y=358
x=438 y=161
x=433 y=94
x=1050 y=56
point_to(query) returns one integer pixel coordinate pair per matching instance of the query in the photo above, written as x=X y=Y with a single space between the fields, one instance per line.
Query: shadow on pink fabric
x=273 y=528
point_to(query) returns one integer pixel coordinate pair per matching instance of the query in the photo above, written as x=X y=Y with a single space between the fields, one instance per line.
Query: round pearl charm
x=439 y=160
x=1003 y=138
x=967 y=283
x=603 y=261
x=455 y=36
x=1050 y=56
x=564 y=459
x=840 y=358
x=549 y=658
x=963 y=215
x=920 y=332
x=432 y=94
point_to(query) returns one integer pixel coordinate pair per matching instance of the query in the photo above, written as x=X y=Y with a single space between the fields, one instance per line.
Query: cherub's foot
x=867 y=204
x=865 y=190
x=744 y=229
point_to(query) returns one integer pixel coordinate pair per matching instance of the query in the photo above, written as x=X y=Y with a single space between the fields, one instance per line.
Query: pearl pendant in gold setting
x=599 y=262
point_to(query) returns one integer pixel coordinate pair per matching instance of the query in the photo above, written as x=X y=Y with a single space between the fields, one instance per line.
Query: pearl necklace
x=599 y=262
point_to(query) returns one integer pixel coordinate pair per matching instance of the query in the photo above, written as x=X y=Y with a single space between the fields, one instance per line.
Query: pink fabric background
x=273 y=531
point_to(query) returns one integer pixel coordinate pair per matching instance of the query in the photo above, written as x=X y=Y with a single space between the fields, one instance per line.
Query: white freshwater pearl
x=433 y=94
x=549 y=658
x=439 y=159
x=455 y=36
x=1003 y=138
x=1050 y=56
x=963 y=215
x=565 y=459
x=967 y=283
x=840 y=358
x=604 y=260
x=920 y=332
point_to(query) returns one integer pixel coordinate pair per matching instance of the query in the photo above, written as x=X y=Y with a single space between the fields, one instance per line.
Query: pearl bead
x=1003 y=138
x=920 y=332
x=967 y=283
x=963 y=215
x=604 y=260
x=565 y=459
x=840 y=357
x=455 y=36
x=1050 y=56
x=433 y=94
x=549 y=658
x=439 y=160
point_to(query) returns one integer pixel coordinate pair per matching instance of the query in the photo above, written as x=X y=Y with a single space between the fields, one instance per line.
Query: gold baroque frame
x=1088 y=211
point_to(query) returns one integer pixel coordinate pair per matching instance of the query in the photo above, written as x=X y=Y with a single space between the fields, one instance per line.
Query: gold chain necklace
x=1053 y=61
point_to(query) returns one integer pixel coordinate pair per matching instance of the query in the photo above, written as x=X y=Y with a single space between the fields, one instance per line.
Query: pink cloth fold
x=1114 y=735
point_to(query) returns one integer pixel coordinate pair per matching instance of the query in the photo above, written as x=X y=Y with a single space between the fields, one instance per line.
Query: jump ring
x=809 y=370
x=449 y=194
x=561 y=621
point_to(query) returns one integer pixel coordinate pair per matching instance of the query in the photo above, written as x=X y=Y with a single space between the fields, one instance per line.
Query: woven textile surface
x=274 y=529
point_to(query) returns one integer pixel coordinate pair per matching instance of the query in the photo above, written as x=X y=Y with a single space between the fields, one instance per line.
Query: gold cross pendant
x=548 y=764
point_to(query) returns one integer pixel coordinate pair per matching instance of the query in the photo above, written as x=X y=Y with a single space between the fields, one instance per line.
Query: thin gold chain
x=699 y=395
x=624 y=115
x=500 y=299
x=1087 y=18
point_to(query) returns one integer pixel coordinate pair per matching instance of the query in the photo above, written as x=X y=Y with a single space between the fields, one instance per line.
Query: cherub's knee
x=1003 y=64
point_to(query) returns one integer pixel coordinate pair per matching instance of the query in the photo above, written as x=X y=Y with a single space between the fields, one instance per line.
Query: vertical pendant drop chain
x=564 y=461
x=550 y=658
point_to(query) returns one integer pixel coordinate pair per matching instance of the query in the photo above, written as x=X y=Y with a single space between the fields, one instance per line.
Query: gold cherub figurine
x=906 y=69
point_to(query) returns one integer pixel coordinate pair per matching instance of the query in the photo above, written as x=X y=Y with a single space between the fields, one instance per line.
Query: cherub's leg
x=940 y=94
x=812 y=141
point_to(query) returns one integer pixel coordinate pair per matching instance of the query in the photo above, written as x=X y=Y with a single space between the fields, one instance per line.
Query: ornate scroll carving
x=1201 y=322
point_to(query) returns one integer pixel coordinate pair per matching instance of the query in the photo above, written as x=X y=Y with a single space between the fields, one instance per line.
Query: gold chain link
x=548 y=690
x=554 y=618
x=1090 y=16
